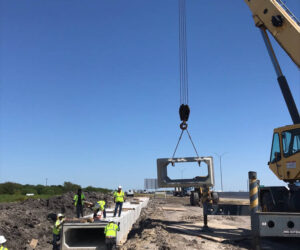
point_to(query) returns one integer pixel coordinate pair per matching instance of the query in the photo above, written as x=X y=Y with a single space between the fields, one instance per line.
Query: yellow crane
x=275 y=210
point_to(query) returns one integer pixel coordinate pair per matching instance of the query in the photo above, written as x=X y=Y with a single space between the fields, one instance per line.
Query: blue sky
x=90 y=91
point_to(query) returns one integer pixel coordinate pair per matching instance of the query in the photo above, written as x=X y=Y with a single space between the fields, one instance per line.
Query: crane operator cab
x=285 y=164
x=285 y=153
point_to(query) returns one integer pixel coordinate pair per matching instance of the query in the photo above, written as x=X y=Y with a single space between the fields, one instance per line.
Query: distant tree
x=55 y=189
x=28 y=189
x=69 y=186
x=10 y=188
x=95 y=189
x=40 y=189
x=90 y=189
x=15 y=188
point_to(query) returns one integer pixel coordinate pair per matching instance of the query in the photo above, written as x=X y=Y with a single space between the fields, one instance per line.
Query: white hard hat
x=2 y=239
x=110 y=220
x=60 y=215
x=120 y=187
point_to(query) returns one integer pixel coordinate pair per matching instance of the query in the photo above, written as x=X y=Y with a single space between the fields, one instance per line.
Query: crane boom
x=274 y=16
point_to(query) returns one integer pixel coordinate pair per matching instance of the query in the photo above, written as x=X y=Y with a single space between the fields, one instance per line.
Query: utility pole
x=182 y=170
x=220 y=160
x=46 y=181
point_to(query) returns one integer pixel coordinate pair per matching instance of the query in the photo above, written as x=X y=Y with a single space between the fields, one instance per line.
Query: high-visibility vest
x=3 y=248
x=56 y=228
x=76 y=199
x=101 y=204
x=119 y=196
x=111 y=230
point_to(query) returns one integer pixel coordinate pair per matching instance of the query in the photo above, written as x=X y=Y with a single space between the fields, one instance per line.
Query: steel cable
x=180 y=140
x=183 y=53
x=184 y=110
x=178 y=143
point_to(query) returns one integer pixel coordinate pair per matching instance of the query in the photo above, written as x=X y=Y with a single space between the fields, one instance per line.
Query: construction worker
x=79 y=202
x=110 y=232
x=56 y=230
x=2 y=241
x=100 y=206
x=119 y=199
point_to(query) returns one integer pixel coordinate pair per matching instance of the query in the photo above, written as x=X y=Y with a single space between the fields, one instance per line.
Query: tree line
x=19 y=189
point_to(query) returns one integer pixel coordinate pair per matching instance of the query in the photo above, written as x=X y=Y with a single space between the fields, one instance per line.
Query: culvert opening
x=85 y=237
x=187 y=170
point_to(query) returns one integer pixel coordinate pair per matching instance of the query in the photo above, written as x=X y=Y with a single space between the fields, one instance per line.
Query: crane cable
x=184 y=109
x=183 y=54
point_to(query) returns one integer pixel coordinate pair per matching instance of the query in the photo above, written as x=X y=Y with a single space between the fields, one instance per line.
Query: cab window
x=291 y=142
x=286 y=141
x=275 y=148
x=296 y=144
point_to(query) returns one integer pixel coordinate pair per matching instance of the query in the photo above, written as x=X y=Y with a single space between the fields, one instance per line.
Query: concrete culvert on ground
x=92 y=237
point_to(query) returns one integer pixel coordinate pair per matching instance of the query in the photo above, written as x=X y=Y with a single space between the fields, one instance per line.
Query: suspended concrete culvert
x=90 y=236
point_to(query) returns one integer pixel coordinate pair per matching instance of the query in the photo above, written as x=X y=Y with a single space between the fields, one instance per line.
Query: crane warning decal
x=291 y=164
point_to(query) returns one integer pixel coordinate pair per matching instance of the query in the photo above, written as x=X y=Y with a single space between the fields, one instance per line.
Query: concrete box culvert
x=83 y=236
x=90 y=236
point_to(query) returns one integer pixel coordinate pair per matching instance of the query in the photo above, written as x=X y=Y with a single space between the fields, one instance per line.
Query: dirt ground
x=160 y=226
x=163 y=229
x=22 y=221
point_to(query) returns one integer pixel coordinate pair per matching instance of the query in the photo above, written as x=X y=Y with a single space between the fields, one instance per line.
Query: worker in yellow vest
x=78 y=201
x=100 y=206
x=2 y=241
x=56 y=230
x=119 y=198
x=110 y=232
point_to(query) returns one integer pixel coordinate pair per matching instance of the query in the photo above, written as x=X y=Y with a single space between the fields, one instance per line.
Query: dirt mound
x=156 y=235
x=152 y=231
x=23 y=221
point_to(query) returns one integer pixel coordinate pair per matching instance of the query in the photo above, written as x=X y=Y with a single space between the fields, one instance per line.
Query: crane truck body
x=275 y=210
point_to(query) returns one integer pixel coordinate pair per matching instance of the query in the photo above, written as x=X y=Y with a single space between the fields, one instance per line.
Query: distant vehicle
x=188 y=192
x=29 y=194
x=179 y=191
x=130 y=193
x=145 y=191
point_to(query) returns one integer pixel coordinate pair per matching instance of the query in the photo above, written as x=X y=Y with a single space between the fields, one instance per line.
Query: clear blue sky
x=90 y=90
